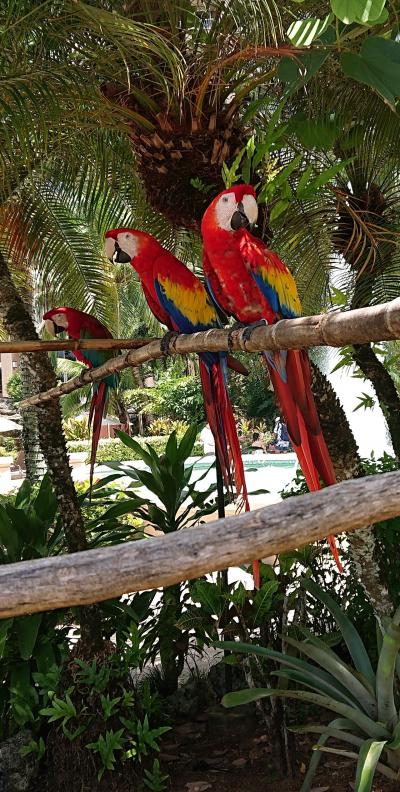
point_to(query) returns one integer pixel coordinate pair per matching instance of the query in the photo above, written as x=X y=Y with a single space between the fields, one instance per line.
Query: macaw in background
x=178 y=299
x=250 y=282
x=79 y=324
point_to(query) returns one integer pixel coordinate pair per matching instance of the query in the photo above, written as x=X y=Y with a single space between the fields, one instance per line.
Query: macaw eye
x=225 y=199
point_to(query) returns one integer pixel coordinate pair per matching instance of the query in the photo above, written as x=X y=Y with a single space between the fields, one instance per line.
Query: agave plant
x=363 y=699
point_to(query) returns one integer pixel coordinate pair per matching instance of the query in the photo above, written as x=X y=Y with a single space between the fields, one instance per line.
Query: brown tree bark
x=385 y=389
x=19 y=326
x=99 y=574
x=35 y=464
x=347 y=463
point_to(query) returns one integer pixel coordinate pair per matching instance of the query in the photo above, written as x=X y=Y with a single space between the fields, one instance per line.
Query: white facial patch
x=224 y=210
x=109 y=247
x=60 y=320
x=128 y=243
x=49 y=325
x=250 y=208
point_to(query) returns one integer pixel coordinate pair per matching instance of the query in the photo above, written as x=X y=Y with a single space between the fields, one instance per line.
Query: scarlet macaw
x=178 y=299
x=79 y=324
x=250 y=282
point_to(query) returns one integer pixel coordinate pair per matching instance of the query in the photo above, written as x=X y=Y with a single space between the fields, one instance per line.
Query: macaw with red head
x=78 y=325
x=251 y=283
x=178 y=299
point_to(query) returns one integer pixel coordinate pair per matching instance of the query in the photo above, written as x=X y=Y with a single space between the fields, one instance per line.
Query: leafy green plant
x=145 y=738
x=63 y=710
x=114 y=450
x=32 y=643
x=102 y=704
x=106 y=745
x=36 y=747
x=164 y=426
x=14 y=387
x=281 y=182
x=176 y=398
x=232 y=608
x=154 y=779
x=364 y=700
x=174 y=503
x=10 y=446
x=76 y=428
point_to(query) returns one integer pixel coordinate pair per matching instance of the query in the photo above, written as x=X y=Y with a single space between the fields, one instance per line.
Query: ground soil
x=218 y=754
x=198 y=761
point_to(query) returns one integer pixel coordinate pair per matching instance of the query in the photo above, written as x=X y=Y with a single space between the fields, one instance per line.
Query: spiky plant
x=364 y=698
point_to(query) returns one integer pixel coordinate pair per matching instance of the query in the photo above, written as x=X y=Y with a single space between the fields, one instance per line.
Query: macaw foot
x=248 y=330
x=233 y=328
x=166 y=341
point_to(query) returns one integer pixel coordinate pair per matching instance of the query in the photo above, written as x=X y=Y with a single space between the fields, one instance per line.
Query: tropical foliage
x=364 y=698
x=136 y=114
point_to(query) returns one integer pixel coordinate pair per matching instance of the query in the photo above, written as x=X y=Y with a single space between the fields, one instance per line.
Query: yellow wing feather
x=193 y=303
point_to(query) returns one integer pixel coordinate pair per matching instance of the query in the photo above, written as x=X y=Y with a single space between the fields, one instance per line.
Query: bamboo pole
x=379 y=323
x=63 y=345
x=95 y=575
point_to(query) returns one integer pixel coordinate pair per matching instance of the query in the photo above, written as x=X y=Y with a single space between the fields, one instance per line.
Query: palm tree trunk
x=20 y=327
x=344 y=453
x=140 y=384
x=170 y=636
x=34 y=460
x=385 y=389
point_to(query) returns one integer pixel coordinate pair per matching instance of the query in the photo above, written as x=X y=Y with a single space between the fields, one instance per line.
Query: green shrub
x=177 y=398
x=100 y=704
x=14 y=387
x=115 y=451
x=363 y=696
x=164 y=426
x=77 y=428
x=8 y=447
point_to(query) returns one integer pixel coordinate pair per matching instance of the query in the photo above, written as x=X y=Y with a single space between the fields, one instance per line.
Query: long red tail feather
x=222 y=423
x=292 y=386
x=96 y=412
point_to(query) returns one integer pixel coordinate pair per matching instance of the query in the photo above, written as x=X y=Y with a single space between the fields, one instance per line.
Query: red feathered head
x=231 y=209
x=64 y=318
x=122 y=245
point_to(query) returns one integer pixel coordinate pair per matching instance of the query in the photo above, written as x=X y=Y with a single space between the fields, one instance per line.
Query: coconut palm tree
x=176 y=82
x=51 y=108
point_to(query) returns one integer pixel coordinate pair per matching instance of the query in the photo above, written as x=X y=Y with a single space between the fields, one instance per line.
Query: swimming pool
x=270 y=472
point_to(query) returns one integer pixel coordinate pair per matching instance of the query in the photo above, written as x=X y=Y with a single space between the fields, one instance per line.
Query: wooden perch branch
x=380 y=323
x=84 y=343
x=95 y=575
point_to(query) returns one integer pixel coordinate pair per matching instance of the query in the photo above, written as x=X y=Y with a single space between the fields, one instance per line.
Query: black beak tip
x=239 y=220
x=120 y=257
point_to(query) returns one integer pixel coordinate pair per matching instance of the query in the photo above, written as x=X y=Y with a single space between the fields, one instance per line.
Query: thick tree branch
x=379 y=323
x=95 y=575
x=83 y=343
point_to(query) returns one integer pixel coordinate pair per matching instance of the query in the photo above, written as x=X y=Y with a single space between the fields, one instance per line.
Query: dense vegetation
x=137 y=114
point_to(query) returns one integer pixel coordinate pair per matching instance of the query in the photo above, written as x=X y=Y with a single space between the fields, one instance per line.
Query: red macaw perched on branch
x=250 y=282
x=79 y=324
x=179 y=300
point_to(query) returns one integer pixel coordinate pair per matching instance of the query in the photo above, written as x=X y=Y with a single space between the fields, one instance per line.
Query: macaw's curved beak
x=120 y=256
x=239 y=218
x=114 y=252
x=52 y=328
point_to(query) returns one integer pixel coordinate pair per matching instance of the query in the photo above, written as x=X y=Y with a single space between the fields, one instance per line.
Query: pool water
x=271 y=472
